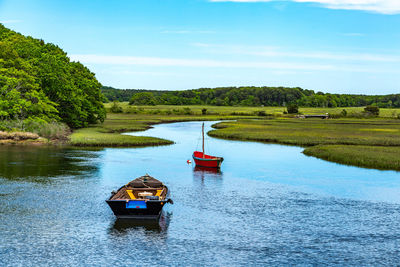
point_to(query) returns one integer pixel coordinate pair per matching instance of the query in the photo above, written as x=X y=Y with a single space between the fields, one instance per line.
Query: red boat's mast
x=202 y=131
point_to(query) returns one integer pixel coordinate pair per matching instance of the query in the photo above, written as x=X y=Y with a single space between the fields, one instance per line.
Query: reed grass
x=49 y=130
x=18 y=136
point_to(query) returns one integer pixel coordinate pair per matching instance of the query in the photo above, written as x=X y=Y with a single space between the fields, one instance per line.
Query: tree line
x=249 y=96
x=38 y=82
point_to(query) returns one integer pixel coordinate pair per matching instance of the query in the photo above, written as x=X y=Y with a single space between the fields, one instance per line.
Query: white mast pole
x=202 y=131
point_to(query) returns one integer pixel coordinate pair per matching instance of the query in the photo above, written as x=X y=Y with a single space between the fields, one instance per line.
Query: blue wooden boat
x=142 y=198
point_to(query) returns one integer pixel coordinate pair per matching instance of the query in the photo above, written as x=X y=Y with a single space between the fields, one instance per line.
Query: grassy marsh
x=96 y=136
x=371 y=143
x=376 y=157
x=309 y=132
x=365 y=142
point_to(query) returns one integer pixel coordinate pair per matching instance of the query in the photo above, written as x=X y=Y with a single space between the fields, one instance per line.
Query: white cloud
x=380 y=6
x=123 y=71
x=270 y=51
x=10 y=21
x=209 y=63
x=179 y=62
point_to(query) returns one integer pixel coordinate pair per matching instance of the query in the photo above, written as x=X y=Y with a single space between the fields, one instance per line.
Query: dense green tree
x=374 y=110
x=20 y=94
x=38 y=81
x=143 y=98
x=255 y=96
x=292 y=108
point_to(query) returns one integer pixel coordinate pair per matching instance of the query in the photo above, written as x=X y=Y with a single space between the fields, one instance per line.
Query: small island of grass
x=375 y=157
x=95 y=136
x=370 y=143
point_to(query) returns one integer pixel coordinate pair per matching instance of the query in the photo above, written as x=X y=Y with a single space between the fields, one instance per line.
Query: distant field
x=250 y=111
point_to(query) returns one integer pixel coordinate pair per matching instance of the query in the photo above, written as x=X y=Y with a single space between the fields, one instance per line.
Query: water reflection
x=159 y=225
x=207 y=170
x=204 y=175
x=36 y=164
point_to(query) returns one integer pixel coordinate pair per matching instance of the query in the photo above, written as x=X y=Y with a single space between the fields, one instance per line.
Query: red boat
x=203 y=160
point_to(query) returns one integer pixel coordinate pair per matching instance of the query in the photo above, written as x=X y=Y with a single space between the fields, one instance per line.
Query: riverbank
x=31 y=132
x=21 y=138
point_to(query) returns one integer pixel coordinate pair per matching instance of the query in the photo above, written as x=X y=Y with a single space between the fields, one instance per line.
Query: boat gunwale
x=164 y=187
x=145 y=200
x=209 y=159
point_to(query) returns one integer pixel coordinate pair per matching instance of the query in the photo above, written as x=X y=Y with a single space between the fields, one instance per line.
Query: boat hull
x=136 y=209
x=203 y=160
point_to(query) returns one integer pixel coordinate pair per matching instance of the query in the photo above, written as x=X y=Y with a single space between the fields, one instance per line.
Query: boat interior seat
x=134 y=192
x=131 y=195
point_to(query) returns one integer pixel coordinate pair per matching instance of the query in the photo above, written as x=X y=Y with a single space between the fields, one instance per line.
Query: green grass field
x=370 y=143
x=376 y=157
x=308 y=132
x=96 y=136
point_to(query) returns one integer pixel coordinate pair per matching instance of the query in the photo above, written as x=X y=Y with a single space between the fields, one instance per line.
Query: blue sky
x=338 y=46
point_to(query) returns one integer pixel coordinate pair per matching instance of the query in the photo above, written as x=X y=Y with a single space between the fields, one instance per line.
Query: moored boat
x=203 y=160
x=141 y=198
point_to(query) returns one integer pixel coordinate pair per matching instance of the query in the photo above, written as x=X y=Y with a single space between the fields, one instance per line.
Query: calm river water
x=270 y=205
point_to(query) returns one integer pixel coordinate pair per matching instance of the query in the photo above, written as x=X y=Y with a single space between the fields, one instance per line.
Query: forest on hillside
x=38 y=82
x=249 y=96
